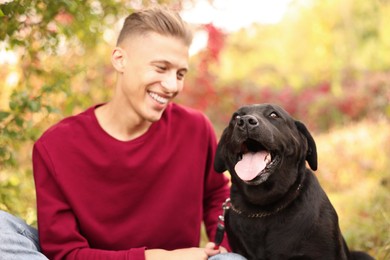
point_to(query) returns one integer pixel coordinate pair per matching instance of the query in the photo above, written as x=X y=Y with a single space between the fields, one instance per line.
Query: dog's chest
x=262 y=238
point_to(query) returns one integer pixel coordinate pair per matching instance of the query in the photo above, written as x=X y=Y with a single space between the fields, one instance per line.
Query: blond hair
x=155 y=19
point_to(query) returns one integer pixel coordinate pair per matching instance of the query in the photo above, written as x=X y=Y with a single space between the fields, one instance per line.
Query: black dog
x=278 y=210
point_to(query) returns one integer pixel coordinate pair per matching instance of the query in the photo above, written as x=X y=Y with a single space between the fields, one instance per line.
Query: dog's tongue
x=251 y=165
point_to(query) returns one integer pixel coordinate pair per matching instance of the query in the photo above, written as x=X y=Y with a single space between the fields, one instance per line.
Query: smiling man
x=151 y=69
x=131 y=178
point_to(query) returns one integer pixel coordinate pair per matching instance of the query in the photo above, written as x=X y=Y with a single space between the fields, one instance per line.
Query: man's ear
x=311 y=153
x=118 y=59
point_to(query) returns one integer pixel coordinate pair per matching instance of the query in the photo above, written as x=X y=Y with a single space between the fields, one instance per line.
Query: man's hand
x=193 y=253
x=210 y=251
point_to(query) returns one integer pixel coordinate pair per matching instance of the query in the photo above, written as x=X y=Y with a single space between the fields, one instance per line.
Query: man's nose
x=170 y=83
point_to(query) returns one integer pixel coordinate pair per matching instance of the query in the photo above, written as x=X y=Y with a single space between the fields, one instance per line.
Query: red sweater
x=100 y=198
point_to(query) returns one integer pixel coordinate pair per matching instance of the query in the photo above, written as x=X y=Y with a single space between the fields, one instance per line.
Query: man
x=132 y=178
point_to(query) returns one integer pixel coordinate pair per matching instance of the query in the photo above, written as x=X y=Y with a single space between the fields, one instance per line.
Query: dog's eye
x=273 y=115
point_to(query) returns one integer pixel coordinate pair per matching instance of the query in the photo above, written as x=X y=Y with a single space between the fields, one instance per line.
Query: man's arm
x=58 y=230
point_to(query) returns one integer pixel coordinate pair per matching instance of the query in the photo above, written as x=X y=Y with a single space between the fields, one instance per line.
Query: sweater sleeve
x=59 y=235
x=216 y=190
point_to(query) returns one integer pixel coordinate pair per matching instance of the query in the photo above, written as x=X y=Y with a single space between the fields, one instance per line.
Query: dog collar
x=288 y=199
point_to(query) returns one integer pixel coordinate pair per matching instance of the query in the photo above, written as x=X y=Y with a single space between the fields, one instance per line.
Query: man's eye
x=161 y=68
x=180 y=76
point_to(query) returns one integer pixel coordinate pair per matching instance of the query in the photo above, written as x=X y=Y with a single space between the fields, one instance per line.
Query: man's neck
x=120 y=125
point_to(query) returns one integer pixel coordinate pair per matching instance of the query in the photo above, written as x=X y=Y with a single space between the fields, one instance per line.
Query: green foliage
x=35 y=29
x=317 y=41
x=17 y=194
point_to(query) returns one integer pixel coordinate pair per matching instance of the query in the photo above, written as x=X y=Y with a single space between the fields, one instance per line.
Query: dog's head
x=263 y=146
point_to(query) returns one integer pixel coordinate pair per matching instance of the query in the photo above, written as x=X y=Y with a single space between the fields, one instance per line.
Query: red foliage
x=64 y=18
x=215 y=43
x=316 y=105
x=203 y=84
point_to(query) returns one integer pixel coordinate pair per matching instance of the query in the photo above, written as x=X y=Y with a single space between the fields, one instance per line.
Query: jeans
x=19 y=241
x=227 y=256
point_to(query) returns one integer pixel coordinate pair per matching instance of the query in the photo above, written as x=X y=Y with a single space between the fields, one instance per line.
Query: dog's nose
x=246 y=121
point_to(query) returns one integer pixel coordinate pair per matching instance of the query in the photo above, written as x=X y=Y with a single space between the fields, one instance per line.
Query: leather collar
x=291 y=195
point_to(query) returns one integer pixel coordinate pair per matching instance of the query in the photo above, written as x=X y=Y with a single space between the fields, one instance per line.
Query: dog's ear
x=219 y=162
x=311 y=153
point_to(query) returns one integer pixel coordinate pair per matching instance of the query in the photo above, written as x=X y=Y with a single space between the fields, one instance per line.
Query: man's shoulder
x=189 y=118
x=186 y=112
x=69 y=126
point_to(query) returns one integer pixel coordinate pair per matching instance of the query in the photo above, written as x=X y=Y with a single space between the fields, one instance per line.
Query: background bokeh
x=326 y=62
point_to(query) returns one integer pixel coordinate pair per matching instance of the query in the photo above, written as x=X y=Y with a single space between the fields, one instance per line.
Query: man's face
x=152 y=73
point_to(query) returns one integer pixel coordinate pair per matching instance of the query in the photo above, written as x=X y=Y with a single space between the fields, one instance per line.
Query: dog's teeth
x=267 y=158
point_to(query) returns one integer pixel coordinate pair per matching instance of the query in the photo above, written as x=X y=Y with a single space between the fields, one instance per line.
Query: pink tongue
x=251 y=165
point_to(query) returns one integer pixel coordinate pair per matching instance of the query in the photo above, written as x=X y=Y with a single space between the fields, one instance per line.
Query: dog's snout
x=246 y=121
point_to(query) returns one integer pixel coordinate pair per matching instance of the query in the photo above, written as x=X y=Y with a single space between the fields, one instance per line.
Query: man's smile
x=158 y=98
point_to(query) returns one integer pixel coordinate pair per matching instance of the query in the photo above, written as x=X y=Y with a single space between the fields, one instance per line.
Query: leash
x=221 y=224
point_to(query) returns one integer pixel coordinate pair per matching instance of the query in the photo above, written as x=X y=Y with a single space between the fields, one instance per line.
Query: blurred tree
x=316 y=42
x=330 y=55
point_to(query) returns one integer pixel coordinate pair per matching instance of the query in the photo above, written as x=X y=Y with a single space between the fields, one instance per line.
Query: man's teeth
x=158 y=98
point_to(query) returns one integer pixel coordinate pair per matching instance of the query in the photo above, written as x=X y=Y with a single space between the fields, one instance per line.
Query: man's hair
x=155 y=19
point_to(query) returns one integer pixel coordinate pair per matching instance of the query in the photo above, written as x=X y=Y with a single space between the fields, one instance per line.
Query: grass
x=354 y=170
